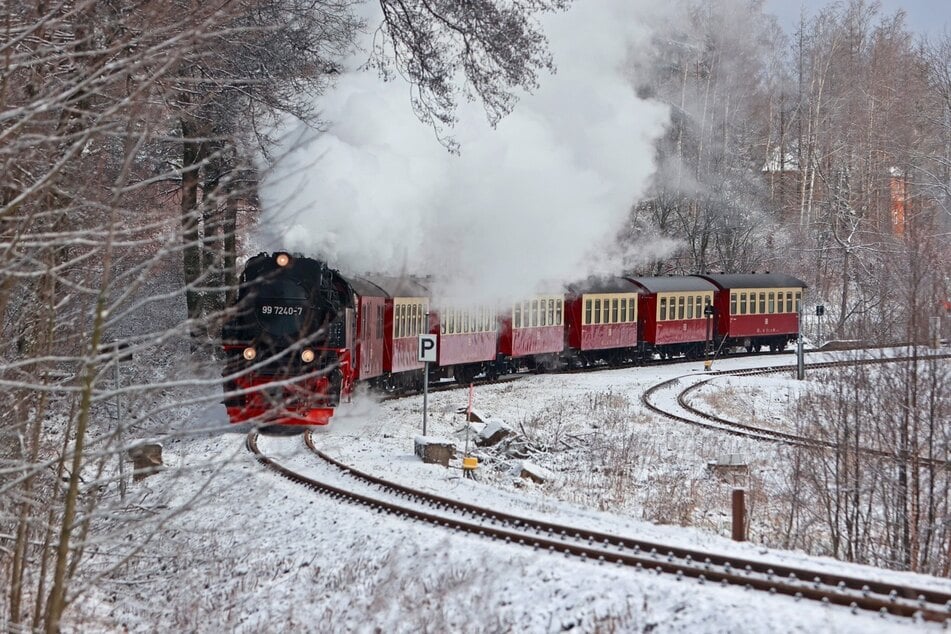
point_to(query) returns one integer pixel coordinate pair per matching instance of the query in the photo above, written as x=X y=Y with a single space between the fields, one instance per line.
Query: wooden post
x=739 y=515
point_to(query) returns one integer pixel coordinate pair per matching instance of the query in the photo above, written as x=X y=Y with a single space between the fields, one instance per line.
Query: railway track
x=350 y=485
x=707 y=420
x=449 y=384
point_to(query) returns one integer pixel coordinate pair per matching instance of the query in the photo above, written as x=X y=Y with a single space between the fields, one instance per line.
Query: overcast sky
x=927 y=17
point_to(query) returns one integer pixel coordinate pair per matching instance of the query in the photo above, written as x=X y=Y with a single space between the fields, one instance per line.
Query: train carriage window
x=742 y=303
x=597 y=311
x=534 y=313
x=798 y=300
x=542 y=314
x=772 y=302
x=623 y=316
x=690 y=307
x=732 y=303
x=551 y=312
x=443 y=329
x=466 y=322
x=517 y=321
x=587 y=312
x=680 y=308
x=789 y=302
x=663 y=309
x=762 y=303
x=614 y=310
x=631 y=310
x=559 y=305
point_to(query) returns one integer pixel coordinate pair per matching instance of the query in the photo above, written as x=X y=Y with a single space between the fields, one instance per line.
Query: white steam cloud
x=539 y=199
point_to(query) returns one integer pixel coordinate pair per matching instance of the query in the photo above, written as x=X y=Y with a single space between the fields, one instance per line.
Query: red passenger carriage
x=532 y=334
x=671 y=315
x=406 y=306
x=757 y=309
x=601 y=320
x=468 y=337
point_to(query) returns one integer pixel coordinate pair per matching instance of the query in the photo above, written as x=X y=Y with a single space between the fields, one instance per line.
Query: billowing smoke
x=536 y=201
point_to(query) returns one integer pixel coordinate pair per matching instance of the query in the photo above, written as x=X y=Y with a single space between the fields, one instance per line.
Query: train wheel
x=749 y=349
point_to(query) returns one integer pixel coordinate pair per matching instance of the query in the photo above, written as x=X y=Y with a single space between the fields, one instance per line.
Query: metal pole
x=819 y=338
x=425 y=392
x=800 y=361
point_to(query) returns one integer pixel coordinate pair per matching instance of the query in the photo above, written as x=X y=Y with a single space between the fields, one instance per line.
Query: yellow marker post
x=469 y=465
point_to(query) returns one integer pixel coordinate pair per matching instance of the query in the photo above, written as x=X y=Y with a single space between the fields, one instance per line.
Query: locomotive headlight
x=282 y=259
x=249 y=354
x=307 y=355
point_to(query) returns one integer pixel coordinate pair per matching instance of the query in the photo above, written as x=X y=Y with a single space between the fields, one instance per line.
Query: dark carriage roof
x=365 y=288
x=754 y=280
x=392 y=286
x=609 y=284
x=673 y=284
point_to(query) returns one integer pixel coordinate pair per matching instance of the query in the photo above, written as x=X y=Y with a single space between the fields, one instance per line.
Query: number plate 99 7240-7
x=268 y=309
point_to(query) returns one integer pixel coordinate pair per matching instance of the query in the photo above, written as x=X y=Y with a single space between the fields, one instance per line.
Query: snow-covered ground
x=240 y=549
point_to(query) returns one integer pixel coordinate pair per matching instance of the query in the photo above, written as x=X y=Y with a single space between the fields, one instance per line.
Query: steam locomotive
x=302 y=334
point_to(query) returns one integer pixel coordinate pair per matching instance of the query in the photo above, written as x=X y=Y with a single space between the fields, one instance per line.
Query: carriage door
x=351 y=318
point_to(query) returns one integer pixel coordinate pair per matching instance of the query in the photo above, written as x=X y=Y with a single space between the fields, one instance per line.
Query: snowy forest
x=135 y=137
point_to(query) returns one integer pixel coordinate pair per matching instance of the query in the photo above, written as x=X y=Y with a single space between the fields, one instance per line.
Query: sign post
x=708 y=344
x=800 y=360
x=427 y=354
x=820 y=311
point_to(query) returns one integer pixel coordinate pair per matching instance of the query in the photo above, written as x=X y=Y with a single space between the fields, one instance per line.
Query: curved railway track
x=383 y=496
x=711 y=421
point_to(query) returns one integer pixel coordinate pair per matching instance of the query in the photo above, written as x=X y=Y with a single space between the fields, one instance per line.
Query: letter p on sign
x=427 y=348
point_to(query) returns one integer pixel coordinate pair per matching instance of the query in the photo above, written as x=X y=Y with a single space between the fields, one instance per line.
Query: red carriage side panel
x=763 y=325
x=466 y=335
x=681 y=331
x=537 y=340
x=466 y=348
x=534 y=327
